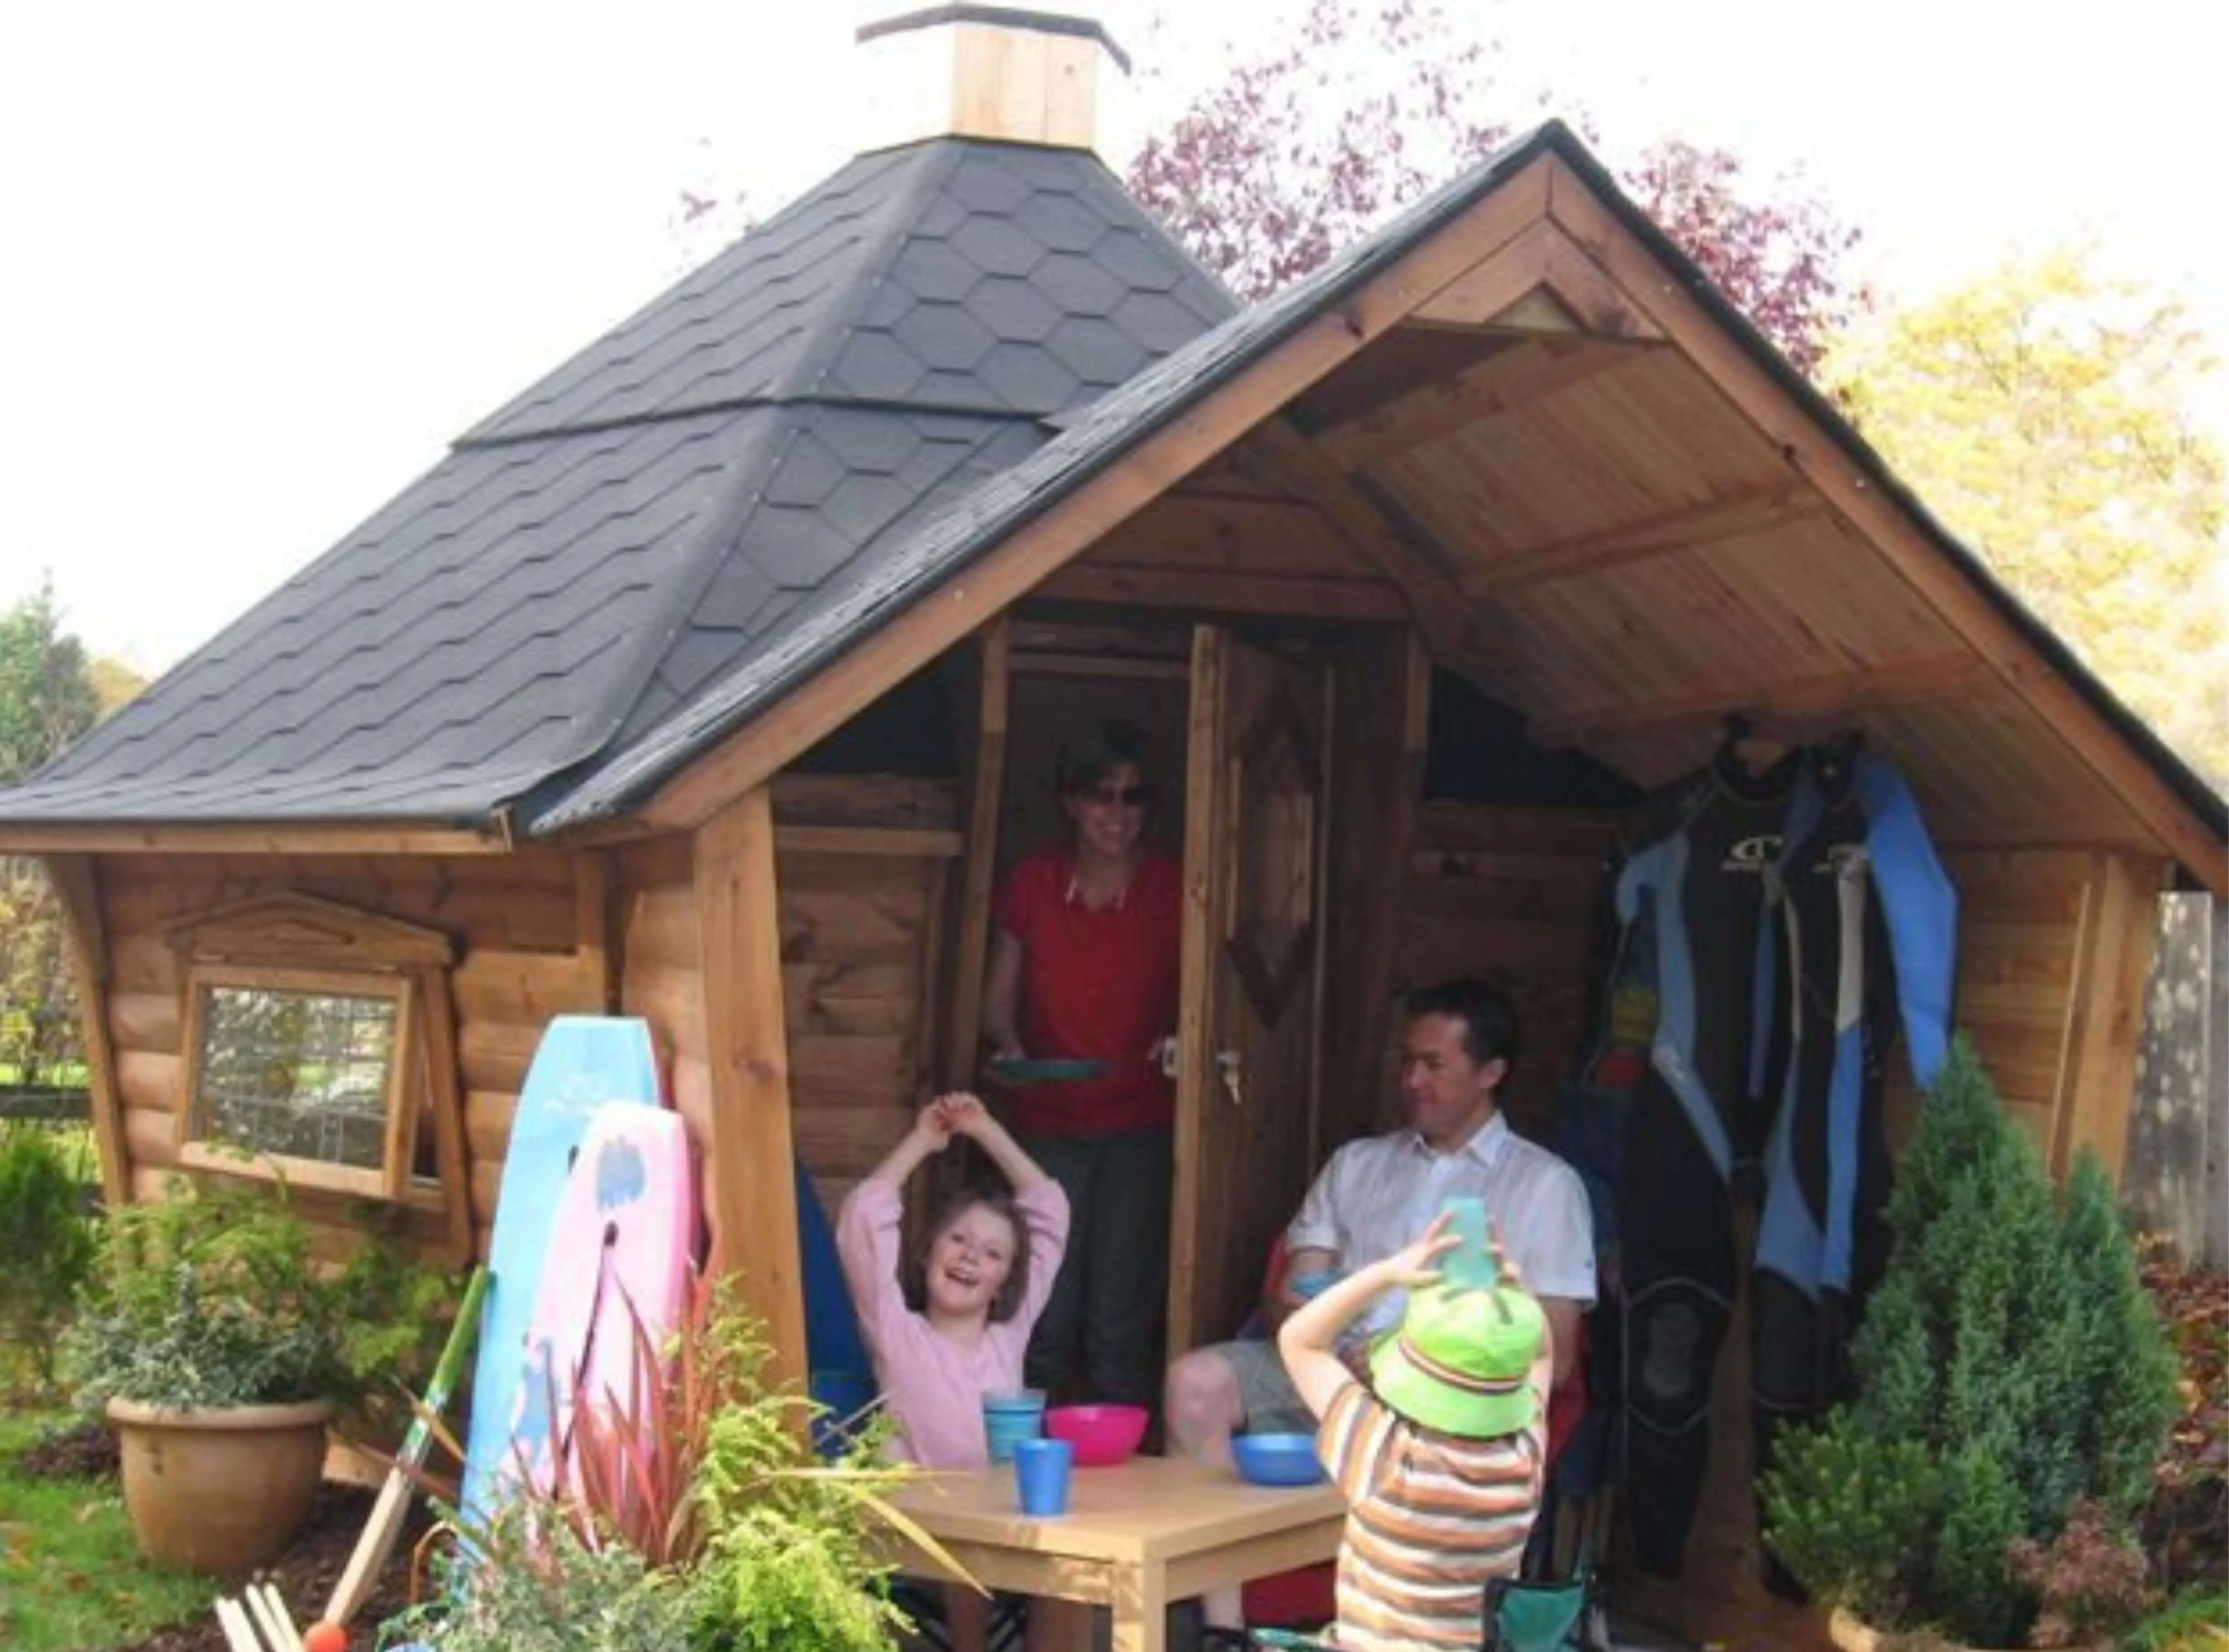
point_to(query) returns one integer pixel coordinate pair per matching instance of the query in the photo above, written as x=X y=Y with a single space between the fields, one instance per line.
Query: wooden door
x=1247 y=1096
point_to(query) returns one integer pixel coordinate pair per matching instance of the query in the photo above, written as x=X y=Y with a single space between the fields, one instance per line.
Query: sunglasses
x=1120 y=797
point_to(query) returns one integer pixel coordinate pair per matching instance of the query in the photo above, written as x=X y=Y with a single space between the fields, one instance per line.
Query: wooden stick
x=385 y=1524
x=268 y=1613
x=239 y=1633
x=285 y=1618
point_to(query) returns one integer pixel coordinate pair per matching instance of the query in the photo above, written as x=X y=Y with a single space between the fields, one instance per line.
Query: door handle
x=1230 y=1067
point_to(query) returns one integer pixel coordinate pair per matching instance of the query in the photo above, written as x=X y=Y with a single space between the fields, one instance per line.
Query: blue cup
x=1470 y=1265
x=1010 y=1418
x=1042 y=1470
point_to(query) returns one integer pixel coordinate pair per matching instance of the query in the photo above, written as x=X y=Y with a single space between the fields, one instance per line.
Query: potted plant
x=220 y=1348
x=697 y=1514
x=2012 y=1374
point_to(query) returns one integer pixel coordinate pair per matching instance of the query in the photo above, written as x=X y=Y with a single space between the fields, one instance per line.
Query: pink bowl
x=1103 y=1435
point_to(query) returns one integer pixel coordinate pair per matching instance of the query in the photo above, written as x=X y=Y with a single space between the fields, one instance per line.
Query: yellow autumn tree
x=2045 y=414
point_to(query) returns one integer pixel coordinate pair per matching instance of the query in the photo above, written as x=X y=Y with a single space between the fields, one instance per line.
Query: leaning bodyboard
x=619 y=1259
x=582 y=1061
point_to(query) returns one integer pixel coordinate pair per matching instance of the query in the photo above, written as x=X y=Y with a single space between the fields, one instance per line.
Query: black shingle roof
x=676 y=497
x=1094 y=437
x=705 y=507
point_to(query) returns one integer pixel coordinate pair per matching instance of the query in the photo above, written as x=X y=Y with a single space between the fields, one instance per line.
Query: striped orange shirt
x=1431 y=1517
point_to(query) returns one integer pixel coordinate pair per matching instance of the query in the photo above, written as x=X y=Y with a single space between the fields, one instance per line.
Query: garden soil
x=303 y=1576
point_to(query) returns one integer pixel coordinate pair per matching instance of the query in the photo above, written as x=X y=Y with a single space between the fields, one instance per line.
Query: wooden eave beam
x=1689 y=528
x=180 y=840
x=1788 y=705
x=1215 y=591
x=1065 y=530
x=1278 y=450
x=1477 y=399
x=1811 y=453
x=1495 y=292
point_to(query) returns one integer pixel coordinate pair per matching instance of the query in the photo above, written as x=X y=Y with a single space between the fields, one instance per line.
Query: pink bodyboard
x=624 y=1232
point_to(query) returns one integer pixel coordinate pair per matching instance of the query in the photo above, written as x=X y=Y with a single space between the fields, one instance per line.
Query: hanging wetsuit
x=1696 y=1126
x=1862 y=934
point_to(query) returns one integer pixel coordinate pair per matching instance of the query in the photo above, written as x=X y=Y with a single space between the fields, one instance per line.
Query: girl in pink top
x=981 y=1279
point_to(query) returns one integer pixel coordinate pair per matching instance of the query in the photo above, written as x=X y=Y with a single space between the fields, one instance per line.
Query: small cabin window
x=306 y=1069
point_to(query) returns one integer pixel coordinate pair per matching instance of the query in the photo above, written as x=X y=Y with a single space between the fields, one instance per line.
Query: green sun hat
x=1459 y=1359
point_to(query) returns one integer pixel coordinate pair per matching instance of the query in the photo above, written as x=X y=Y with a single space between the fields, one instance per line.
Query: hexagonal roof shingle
x=664 y=504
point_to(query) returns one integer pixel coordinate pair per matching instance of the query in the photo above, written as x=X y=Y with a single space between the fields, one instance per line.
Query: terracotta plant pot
x=223 y=1489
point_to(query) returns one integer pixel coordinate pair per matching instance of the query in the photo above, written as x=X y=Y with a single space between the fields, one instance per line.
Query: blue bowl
x=1277 y=1459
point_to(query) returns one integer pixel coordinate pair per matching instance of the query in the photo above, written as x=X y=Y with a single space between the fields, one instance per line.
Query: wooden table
x=1136 y=1537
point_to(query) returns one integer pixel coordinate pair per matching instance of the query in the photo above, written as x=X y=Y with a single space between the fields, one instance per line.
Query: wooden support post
x=77 y=884
x=750 y=1171
x=2105 y=1011
x=1377 y=788
x=445 y=1101
x=970 y=953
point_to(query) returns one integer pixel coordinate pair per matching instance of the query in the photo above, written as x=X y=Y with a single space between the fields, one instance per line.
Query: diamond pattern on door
x=1272 y=930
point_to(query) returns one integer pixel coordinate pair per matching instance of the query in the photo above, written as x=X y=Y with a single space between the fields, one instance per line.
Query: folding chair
x=1521 y=1617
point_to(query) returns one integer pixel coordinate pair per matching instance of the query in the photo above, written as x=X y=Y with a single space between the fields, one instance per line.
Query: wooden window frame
x=399 y=1141
x=288 y=940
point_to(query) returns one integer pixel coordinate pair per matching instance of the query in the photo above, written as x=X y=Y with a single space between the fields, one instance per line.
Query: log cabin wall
x=867 y=865
x=863 y=863
x=515 y=923
x=1507 y=895
x=2054 y=947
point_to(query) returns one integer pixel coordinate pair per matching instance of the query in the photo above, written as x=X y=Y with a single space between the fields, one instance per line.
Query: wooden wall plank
x=750 y=1150
x=2097 y=1084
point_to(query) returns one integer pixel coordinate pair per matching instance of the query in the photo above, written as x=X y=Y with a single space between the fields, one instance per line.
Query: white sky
x=263 y=260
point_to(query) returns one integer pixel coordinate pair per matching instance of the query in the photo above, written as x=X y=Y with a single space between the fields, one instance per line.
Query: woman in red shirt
x=1084 y=964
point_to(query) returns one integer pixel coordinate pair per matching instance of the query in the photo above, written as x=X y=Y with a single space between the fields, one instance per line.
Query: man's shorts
x=1273 y=1405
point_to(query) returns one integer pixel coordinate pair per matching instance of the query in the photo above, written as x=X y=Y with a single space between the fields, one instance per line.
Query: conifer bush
x=47 y=1241
x=2010 y=1365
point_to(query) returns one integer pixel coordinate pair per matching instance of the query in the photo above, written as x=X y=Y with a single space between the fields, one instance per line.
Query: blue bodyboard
x=582 y=1061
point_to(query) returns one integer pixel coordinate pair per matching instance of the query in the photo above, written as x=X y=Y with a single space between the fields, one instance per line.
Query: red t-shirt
x=1098 y=983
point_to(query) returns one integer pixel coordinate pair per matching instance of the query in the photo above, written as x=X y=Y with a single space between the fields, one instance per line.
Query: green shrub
x=700 y=1503
x=213 y=1295
x=545 y=1590
x=2010 y=1365
x=48 y=1241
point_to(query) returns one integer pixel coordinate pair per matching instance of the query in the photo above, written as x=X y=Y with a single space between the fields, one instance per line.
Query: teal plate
x=1052 y=1069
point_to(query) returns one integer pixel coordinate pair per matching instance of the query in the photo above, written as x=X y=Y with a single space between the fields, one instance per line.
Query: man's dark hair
x=1489 y=1023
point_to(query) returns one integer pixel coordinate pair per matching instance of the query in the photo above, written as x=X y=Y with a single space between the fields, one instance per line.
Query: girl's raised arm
x=964 y=1114
x=869 y=1230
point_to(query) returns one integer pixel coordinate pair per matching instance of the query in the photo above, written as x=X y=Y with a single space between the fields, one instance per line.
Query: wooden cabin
x=716 y=676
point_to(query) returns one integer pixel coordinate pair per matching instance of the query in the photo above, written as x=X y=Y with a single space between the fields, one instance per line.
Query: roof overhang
x=1661 y=444
x=200 y=838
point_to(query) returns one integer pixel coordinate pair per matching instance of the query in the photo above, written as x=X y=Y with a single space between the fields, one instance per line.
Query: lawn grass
x=71 y=1580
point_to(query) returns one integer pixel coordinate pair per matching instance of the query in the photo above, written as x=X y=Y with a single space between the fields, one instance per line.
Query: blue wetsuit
x=1690 y=894
x=1860 y=935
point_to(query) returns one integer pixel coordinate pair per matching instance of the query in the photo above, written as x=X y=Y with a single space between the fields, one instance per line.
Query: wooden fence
x=2175 y=1180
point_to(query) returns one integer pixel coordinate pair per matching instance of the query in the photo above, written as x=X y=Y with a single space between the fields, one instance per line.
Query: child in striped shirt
x=1439 y=1455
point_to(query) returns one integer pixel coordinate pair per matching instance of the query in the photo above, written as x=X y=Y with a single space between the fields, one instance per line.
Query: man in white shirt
x=1378 y=1195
